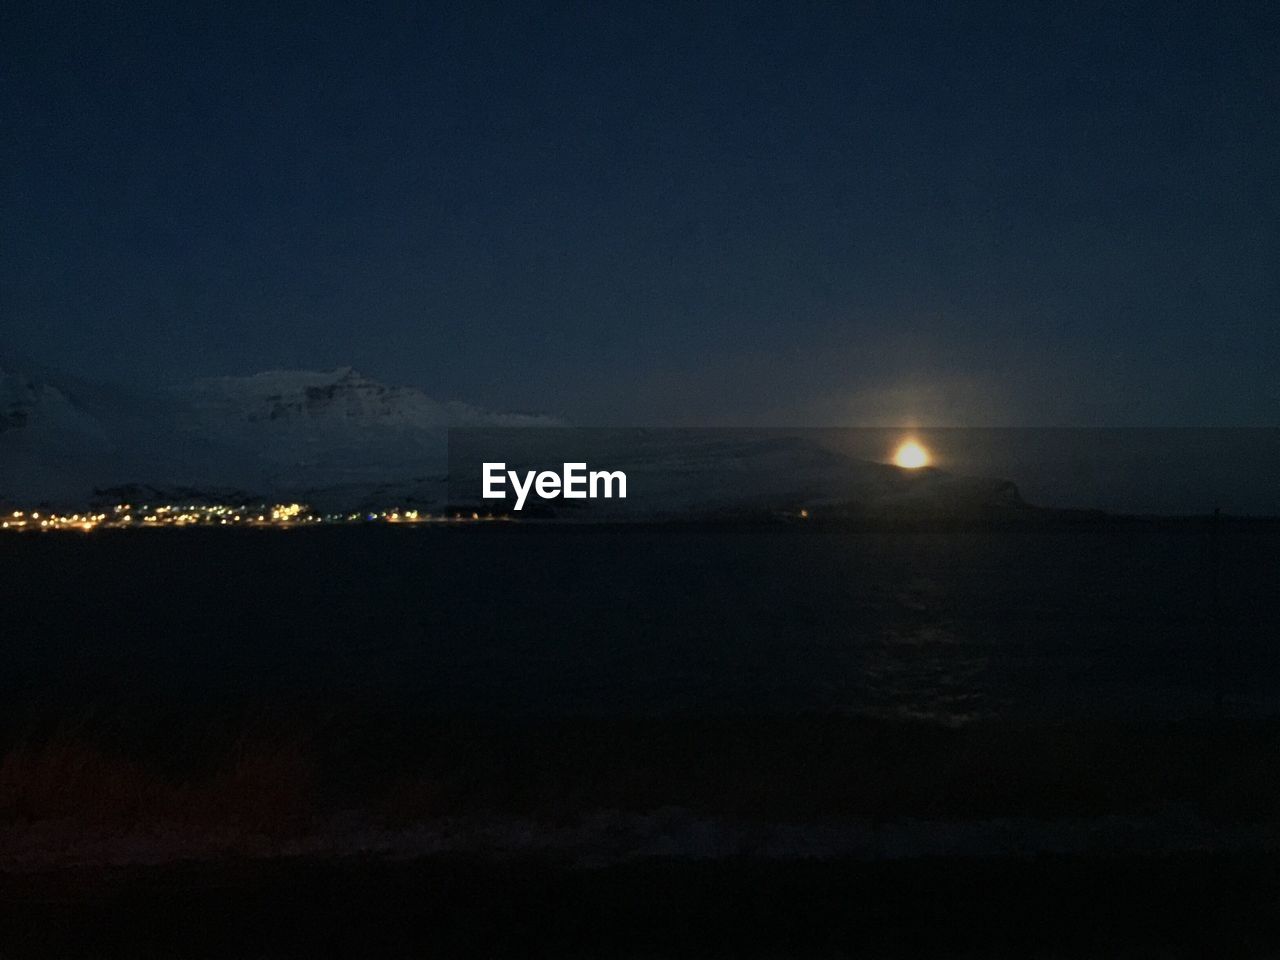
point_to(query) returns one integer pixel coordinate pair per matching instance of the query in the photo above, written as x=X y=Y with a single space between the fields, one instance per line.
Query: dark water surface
x=1143 y=620
x=785 y=740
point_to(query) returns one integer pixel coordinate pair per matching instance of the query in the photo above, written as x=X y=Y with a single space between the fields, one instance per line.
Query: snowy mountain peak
x=28 y=402
x=277 y=431
x=342 y=394
x=341 y=398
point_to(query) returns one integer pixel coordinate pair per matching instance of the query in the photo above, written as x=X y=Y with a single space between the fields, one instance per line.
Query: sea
x=1138 y=619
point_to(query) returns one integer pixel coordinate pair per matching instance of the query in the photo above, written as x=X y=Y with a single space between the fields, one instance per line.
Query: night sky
x=820 y=214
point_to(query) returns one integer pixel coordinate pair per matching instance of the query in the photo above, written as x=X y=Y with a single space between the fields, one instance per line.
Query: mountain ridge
x=337 y=439
x=274 y=432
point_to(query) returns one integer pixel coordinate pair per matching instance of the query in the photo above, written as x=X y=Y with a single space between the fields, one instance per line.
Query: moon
x=911 y=456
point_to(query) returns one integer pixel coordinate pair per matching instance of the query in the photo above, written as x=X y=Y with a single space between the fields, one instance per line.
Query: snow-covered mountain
x=336 y=400
x=335 y=429
x=340 y=440
x=62 y=436
x=277 y=433
x=29 y=404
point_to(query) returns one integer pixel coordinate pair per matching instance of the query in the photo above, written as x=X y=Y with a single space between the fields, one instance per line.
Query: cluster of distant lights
x=280 y=515
x=910 y=455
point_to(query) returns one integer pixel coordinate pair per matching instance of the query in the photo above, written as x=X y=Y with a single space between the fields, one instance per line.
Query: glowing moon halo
x=911 y=456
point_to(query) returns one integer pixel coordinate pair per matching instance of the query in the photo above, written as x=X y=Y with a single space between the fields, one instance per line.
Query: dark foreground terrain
x=678 y=836
x=1187 y=905
x=642 y=742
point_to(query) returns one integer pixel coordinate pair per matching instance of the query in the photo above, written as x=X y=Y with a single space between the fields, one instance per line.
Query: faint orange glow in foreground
x=911 y=456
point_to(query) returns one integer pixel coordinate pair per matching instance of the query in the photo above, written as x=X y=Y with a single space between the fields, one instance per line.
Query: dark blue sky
x=808 y=214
